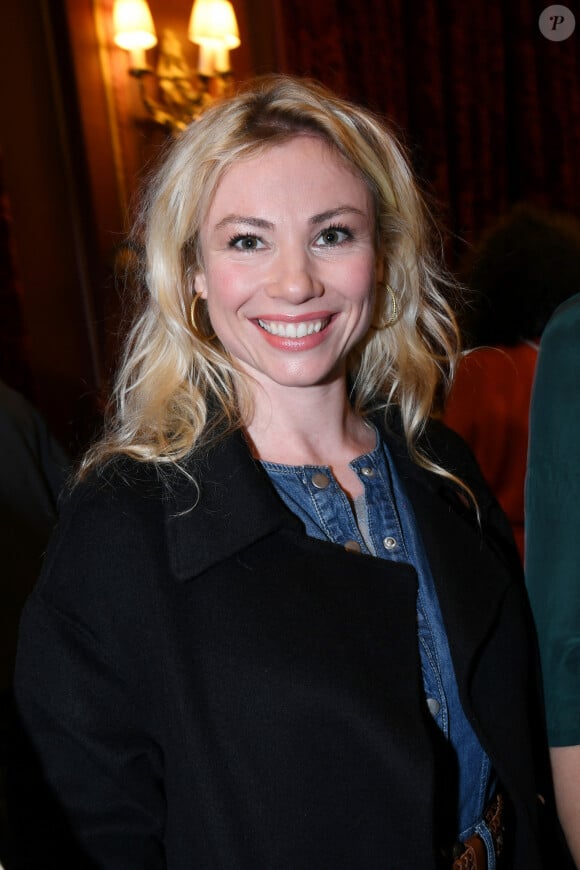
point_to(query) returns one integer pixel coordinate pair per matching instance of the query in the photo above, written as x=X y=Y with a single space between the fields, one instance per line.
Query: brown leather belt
x=472 y=854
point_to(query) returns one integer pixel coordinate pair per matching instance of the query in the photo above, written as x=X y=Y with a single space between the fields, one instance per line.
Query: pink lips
x=294 y=332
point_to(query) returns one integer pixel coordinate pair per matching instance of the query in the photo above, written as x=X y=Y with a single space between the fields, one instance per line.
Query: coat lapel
x=471 y=577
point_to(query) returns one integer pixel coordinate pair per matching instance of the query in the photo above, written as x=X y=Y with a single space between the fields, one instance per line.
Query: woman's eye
x=246 y=243
x=333 y=236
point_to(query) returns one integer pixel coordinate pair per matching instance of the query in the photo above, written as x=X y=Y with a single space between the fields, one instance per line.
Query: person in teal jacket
x=553 y=549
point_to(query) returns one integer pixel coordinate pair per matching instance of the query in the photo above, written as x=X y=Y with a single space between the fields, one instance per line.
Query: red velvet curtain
x=489 y=107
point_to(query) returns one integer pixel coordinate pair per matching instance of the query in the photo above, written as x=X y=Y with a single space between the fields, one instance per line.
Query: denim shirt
x=389 y=531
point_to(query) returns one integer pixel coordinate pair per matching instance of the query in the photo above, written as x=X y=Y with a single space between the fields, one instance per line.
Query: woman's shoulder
x=122 y=482
x=450 y=467
x=455 y=456
x=449 y=450
x=446 y=443
x=110 y=527
x=443 y=447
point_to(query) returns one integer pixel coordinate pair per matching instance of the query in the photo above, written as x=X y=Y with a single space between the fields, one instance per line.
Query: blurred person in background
x=33 y=469
x=523 y=268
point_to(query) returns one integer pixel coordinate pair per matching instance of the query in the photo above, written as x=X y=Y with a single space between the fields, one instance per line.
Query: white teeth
x=293 y=330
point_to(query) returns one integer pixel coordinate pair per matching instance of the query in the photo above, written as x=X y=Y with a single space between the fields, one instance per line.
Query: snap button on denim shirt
x=383 y=525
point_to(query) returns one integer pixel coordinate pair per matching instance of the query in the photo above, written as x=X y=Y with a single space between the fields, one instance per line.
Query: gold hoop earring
x=195 y=329
x=393 y=317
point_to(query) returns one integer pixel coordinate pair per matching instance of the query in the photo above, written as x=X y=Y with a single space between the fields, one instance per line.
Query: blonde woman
x=282 y=624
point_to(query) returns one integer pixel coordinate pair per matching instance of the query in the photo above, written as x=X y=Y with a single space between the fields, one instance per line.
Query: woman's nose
x=295 y=279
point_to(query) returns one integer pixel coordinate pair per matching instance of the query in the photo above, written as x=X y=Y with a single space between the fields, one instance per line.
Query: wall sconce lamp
x=182 y=95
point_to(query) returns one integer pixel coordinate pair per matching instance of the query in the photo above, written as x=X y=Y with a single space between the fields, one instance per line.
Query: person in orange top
x=524 y=267
x=489 y=407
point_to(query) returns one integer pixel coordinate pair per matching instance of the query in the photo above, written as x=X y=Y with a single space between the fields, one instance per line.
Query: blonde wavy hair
x=177 y=389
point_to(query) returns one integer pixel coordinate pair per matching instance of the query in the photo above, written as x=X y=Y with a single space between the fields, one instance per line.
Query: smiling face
x=289 y=264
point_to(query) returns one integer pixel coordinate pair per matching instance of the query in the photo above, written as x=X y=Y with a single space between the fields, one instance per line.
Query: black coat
x=208 y=687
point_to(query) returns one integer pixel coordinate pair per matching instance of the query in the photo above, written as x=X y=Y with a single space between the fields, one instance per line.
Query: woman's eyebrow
x=335 y=212
x=259 y=223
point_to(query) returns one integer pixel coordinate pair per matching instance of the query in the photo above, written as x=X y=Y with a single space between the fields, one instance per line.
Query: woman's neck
x=311 y=426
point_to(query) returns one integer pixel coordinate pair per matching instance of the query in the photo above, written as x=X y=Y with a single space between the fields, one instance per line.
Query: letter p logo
x=557 y=23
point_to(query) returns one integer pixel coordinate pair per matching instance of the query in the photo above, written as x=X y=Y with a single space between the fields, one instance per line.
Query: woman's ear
x=200 y=285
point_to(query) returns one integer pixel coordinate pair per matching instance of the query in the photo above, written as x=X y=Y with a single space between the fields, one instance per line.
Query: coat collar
x=237 y=506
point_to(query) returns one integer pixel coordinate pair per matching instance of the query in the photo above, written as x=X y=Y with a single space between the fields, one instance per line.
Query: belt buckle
x=472 y=854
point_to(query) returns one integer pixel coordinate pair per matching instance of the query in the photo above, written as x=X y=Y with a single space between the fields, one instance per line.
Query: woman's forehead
x=306 y=162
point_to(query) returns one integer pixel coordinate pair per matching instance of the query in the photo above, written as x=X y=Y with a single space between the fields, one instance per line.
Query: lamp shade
x=213 y=24
x=133 y=26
